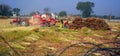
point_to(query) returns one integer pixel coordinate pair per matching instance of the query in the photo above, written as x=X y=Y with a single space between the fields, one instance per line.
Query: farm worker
x=66 y=24
x=61 y=23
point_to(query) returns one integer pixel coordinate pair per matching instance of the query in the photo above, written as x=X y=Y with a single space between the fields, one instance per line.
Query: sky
x=102 y=7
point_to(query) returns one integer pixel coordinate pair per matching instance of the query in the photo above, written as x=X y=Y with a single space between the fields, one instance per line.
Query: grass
x=25 y=38
x=15 y=35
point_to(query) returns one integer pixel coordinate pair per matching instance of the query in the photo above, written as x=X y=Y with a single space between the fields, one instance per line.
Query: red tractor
x=36 y=19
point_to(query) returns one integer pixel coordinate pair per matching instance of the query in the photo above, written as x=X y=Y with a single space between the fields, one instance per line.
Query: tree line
x=6 y=10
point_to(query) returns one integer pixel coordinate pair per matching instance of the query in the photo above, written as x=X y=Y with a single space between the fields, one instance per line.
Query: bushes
x=92 y=23
x=3 y=17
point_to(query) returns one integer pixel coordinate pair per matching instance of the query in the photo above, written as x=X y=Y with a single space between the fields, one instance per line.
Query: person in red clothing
x=66 y=24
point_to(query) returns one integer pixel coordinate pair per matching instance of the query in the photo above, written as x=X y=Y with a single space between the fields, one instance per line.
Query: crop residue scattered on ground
x=46 y=40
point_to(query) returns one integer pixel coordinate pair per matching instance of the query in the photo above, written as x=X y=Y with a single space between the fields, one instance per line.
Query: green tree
x=16 y=11
x=85 y=8
x=5 y=10
x=113 y=17
x=32 y=13
x=46 y=10
x=105 y=16
x=62 y=14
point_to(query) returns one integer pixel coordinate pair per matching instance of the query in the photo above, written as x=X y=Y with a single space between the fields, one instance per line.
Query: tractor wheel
x=24 y=23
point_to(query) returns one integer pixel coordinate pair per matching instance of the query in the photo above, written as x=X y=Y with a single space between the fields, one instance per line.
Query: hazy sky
x=102 y=7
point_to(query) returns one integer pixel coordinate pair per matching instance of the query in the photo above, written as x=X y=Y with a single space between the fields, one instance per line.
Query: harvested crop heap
x=92 y=23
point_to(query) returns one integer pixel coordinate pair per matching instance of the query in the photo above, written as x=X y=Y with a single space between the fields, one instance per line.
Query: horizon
x=102 y=7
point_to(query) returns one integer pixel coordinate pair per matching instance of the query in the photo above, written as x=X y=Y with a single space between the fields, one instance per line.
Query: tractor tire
x=24 y=23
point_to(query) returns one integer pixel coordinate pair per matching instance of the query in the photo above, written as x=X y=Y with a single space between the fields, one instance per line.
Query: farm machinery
x=36 y=19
